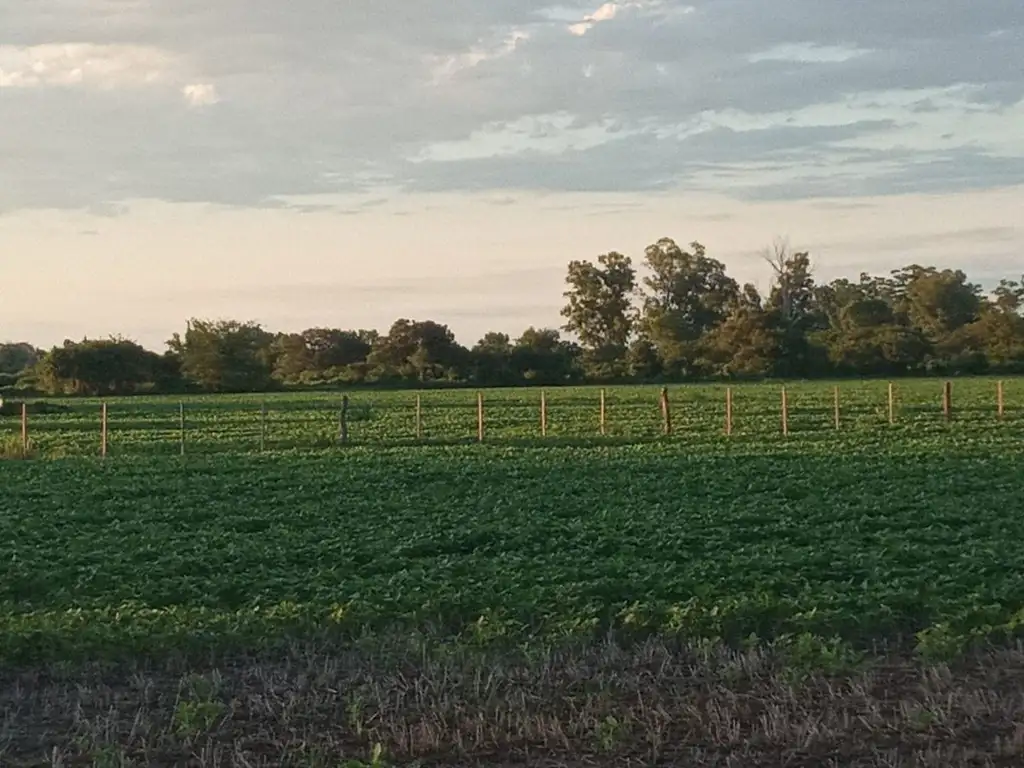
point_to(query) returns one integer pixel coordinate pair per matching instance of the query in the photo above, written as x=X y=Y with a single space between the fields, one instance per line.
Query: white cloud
x=809 y=53
x=445 y=67
x=200 y=94
x=606 y=12
x=550 y=134
x=609 y=11
x=84 y=64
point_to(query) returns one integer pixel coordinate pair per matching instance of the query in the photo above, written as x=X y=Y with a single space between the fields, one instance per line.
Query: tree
x=599 y=310
x=319 y=354
x=687 y=295
x=792 y=291
x=491 y=360
x=225 y=355
x=791 y=304
x=112 y=366
x=18 y=358
x=745 y=346
x=1009 y=296
x=873 y=350
x=937 y=302
x=541 y=356
x=421 y=350
x=333 y=348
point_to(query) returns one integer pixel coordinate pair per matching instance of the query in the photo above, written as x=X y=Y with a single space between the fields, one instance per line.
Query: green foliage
x=102 y=367
x=599 y=311
x=16 y=359
x=224 y=356
x=681 y=317
x=825 y=541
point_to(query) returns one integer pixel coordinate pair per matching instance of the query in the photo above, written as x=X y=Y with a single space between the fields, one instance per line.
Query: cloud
x=200 y=94
x=447 y=66
x=606 y=12
x=83 y=64
x=808 y=53
x=328 y=97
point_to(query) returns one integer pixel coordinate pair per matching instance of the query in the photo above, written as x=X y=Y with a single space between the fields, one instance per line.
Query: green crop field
x=248 y=423
x=274 y=598
x=865 y=532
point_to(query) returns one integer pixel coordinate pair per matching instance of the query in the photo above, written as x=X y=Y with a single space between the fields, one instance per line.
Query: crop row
x=208 y=424
x=866 y=537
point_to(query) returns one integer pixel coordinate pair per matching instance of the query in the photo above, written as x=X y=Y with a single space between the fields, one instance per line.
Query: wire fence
x=164 y=426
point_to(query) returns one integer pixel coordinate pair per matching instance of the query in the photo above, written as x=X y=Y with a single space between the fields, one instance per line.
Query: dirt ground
x=403 y=703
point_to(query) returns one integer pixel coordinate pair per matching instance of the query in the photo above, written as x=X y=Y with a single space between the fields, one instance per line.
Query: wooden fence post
x=103 y=430
x=543 y=414
x=947 y=400
x=604 y=429
x=479 y=417
x=728 y=410
x=892 y=406
x=263 y=426
x=1000 y=408
x=666 y=412
x=419 y=417
x=343 y=420
x=835 y=407
x=24 y=430
x=181 y=428
x=785 y=413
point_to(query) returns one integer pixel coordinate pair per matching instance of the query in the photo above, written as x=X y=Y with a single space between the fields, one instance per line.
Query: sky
x=341 y=163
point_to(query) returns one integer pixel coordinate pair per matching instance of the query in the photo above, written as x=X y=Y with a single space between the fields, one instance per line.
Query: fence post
x=666 y=412
x=181 y=428
x=24 y=430
x=947 y=400
x=263 y=426
x=785 y=413
x=892 y=406
x=479 y=417
x=1000 y=408
x=343 y=420
x=103 y=431
x=543 y=413
x=419 y=417
x=603 y=414
x=835 y=407
x=728 y=410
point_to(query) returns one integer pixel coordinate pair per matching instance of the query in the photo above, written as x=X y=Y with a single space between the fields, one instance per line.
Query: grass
x=844 y=597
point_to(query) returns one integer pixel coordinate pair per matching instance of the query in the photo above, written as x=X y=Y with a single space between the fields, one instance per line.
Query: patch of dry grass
x=652 y=703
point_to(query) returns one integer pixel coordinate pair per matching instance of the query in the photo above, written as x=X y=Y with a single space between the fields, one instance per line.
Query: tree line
x=679 y=316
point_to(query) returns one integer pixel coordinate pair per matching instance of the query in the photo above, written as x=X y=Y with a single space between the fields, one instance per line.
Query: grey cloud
x=636 y=163
x=321 y=97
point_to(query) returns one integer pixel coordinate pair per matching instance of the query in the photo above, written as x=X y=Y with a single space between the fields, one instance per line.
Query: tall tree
x=791 y=303
x=687 y=295
x=599 y=310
